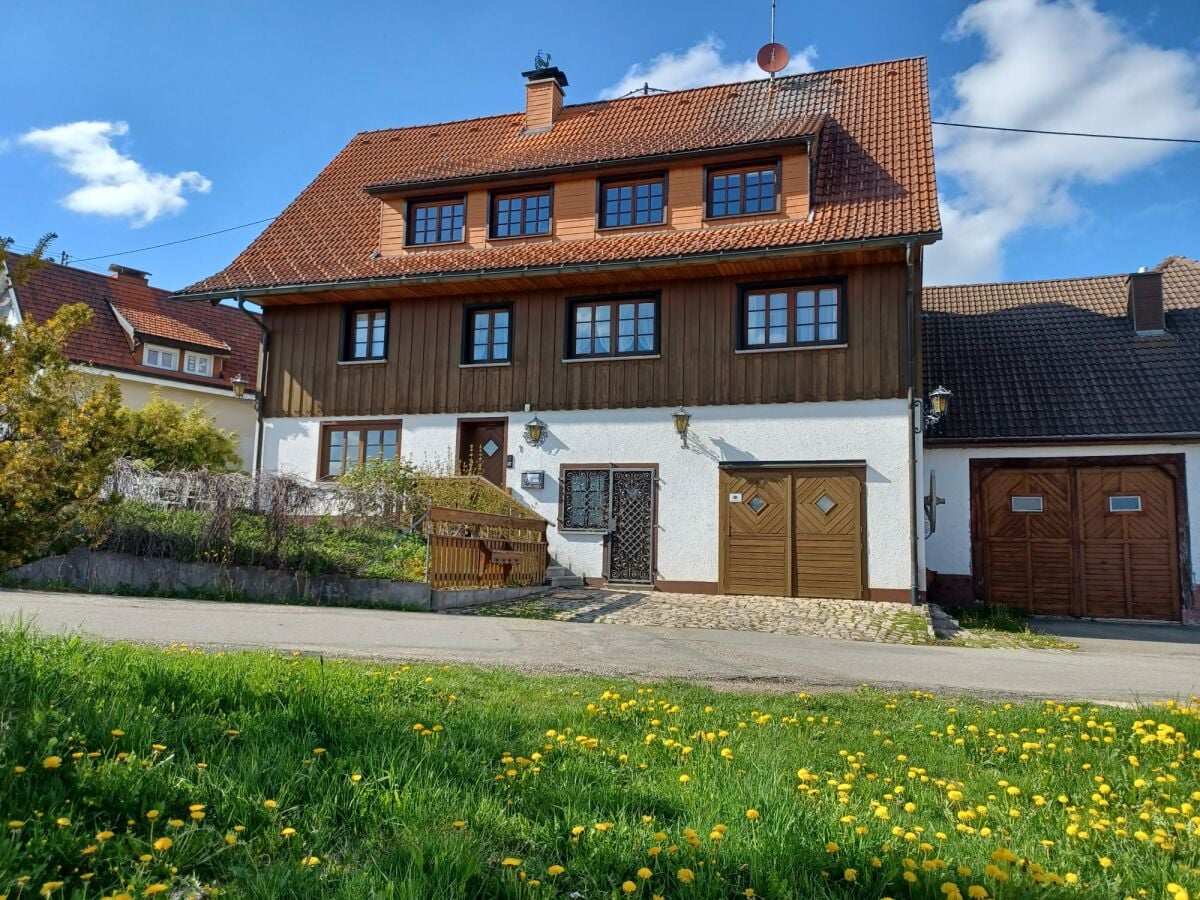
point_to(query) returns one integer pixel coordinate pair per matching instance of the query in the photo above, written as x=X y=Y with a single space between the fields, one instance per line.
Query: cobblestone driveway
x=893 y=623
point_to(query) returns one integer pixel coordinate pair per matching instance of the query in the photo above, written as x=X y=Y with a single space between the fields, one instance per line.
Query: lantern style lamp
x=535 y=432
x=682 y=419
x=239 y=385
x=939 y=404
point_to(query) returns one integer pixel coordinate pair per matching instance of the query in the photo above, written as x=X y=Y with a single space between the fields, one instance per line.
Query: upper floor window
x=160 y=357
x=198 y=364
x=613 y=327
x=365 y=334
x=799 y=316
x=635 y=201
x=436 y=221
x=744 y=190
x=519 y=214
x=352 y=445
x=487 y=335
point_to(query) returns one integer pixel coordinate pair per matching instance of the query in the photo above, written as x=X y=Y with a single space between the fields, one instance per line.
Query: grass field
x=126 y=772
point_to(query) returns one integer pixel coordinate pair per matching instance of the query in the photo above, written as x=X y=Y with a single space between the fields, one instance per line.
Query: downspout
x=914 y=427
x=261 y=388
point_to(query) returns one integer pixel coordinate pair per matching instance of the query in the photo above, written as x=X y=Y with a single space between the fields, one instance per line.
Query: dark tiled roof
x=1060 y=359
x=219 y=329
x=875 y=176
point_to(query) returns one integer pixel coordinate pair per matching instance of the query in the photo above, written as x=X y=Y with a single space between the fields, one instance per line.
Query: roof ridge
x=672 y=93
x=981 y=284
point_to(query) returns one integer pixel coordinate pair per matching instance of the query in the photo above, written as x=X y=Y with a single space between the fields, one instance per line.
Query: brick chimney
x=1146 y=302
x=124 y=273
x=543 y=98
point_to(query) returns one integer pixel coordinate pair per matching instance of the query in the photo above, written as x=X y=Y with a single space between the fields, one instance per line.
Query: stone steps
x=562 y=577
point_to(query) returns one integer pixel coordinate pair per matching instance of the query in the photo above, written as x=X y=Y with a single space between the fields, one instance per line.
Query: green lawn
x=267 y=776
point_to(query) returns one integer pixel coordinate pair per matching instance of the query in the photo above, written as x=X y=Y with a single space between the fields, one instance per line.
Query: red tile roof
x=1060 y=359
x=875 y=176
x=217 y=329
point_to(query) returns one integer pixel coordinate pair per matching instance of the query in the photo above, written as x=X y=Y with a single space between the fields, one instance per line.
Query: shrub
x=165 y=436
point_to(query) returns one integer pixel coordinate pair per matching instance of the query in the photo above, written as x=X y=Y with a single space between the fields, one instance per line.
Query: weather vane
x=542 y=60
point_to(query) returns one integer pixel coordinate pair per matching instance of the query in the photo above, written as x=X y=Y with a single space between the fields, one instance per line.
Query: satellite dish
x=773 y=58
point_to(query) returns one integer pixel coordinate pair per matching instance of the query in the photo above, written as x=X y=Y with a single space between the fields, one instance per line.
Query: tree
x=59 y=431
x=165 y=436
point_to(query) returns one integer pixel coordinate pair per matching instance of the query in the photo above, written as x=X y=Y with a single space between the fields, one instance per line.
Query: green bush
x=167 y=437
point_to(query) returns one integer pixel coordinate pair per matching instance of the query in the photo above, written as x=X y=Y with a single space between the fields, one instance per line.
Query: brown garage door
x=1075 y=538
x=792 y=532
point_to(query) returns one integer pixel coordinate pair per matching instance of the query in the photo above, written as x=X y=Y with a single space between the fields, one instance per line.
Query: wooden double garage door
x=792 y=532
x=1077 y=537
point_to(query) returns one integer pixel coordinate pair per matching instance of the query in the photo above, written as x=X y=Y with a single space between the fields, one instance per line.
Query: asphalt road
x=1121 y=665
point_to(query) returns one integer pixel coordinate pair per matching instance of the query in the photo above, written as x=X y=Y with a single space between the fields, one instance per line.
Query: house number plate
x=735 y=498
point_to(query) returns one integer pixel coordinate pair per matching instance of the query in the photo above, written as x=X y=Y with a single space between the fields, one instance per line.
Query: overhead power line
x=1086 y=134
x=645 y=89
x=173 y=243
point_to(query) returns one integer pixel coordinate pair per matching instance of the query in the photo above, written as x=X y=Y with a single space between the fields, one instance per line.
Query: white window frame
x=159 y=350
x=1124 y=503
x=206 y=358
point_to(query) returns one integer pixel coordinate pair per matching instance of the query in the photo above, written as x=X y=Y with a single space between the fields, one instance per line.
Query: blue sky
x=230 y=107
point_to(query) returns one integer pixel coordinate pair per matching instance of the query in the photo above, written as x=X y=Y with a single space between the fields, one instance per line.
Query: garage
x=793 y=531
x=1090 y=537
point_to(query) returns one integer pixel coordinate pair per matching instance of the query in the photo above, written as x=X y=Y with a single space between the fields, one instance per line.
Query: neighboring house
x=741 y=263
x=1070 y=457
x=186 y=353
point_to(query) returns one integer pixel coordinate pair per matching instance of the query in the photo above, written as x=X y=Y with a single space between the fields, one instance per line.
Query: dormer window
x=198 y=364
x=743 y=190
x=521 y=213
x=436 y=221
x=634 y=201
x=156 y=357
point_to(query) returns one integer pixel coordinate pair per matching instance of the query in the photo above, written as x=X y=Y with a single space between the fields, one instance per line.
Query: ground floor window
x=350 y=445
x=584 y=501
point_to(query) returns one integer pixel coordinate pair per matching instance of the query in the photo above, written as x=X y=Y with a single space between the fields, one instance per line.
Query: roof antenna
x=772 y=57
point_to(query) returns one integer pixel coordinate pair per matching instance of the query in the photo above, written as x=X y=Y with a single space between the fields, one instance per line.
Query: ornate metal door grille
x=631 y=527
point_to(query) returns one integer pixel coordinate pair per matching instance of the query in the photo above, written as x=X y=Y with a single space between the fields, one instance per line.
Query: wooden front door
x=1079 y=539
x=482 y=449
x=792 y=532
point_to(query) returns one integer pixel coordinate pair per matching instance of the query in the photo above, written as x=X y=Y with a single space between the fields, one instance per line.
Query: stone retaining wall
x=92 y=570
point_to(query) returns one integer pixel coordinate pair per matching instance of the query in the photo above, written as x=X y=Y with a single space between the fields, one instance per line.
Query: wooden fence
x=471 y=549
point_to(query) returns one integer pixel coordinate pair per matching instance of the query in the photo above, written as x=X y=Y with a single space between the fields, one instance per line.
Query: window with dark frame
x=584 y=499
x=742 y=191
x=352 y=446
x=488 y=335
x=436 y=221
x=791 y=316
x=365 y=334
x=625 y=326
x=521 y=214
x=636 y=201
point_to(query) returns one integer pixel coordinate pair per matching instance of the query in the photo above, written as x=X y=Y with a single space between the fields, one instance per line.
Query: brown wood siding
x=574 y=205
x=697 y=364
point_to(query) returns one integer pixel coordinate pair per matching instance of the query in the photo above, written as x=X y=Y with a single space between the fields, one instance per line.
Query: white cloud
x=697 y=66
x=113 y=183
x=1048 y=64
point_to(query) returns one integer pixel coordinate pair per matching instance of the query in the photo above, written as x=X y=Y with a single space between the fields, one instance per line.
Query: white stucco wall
x=948 y=550
x=871 y=430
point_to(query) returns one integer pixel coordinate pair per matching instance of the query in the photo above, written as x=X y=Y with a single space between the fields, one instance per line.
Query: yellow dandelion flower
x=850 y=875
x=163 y=844
x=752 y=814
x=687 y=876
x=104 y=836
x=51 y=762
x=555 y=870
x=510 y=861
x=684 y=779
x=310 y=861
x=832 y=847
x=270 y=804
x=644 y=873
x=50 y=887
x=117 y=732
x=15 y=824
x=152 y=814
x=156 y=888
x=628 y=887
x=62 y=821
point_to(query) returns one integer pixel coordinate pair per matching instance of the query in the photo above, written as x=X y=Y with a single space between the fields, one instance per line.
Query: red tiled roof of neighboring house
x=874 y=176
x=104 y=343
x=1061 y=359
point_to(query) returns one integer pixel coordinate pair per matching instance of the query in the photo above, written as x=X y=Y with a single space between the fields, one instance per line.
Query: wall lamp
x=535 y=432
x=937 y=407
x=682 y=419
x=240 y=383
